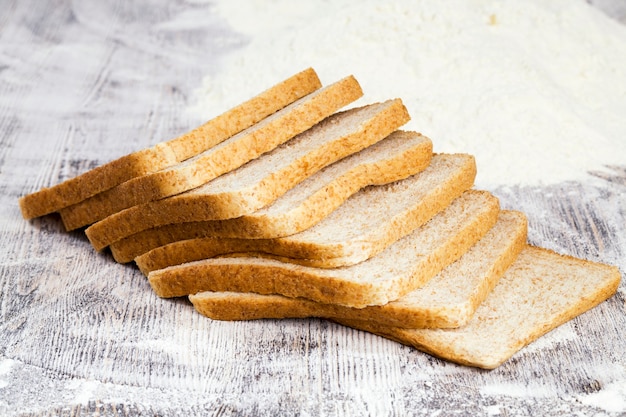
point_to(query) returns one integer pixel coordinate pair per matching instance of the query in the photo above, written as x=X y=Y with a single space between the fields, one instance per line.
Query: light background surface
x=84 y=82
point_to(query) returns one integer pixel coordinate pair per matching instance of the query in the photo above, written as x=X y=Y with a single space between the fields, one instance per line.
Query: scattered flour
x=83 y=390
x=535 y=90
x=515 y=390
x=611 y=398
x=5 y=369
x=5 y=366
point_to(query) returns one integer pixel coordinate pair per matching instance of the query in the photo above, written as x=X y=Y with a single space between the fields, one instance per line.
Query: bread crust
x=523 y=306
x=257 y=228
x=372 y=282
x=526 y=304
x=217 y=160
x=325 y=143
x=446 y=301
x=334 y=252
x=166 y=154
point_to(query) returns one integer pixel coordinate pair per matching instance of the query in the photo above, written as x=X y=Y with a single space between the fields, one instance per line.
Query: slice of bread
x=540 y=291
x=396 y=157
x=446 y=301
x=165 y=154
x=342 y=238
x=262 y=180
x=219 y=159
x=404 y=266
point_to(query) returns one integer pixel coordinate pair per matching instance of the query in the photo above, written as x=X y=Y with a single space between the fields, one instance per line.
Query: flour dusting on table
x=5 y=370
x=612 y=398
x=535 y=90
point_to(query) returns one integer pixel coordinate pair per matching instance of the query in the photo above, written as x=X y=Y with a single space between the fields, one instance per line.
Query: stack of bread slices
x=287 y=206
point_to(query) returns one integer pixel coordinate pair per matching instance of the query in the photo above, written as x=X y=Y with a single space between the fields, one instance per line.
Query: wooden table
x=83 y=82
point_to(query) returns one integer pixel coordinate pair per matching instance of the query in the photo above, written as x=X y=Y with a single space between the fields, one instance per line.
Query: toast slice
x=165 y=154
x=448 y=300
x=217 y=160
x=404 y=266
x=342 y=238
x=540 y=291
x=396 y=157
x=262 y=180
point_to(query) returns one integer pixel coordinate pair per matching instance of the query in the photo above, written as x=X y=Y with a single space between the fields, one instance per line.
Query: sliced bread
x=402 y=267
x=165 y=154
x=340 y=239
x=219 y=159
x=446 y=301
x=262 y=180
x=539 y=292
x=396 y=157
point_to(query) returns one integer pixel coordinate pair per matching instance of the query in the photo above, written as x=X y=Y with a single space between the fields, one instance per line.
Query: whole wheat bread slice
x=219 y=159
x=262 y=180
x=165 y=154
x=396 y=157
x=446 y=301
x=539 y=292
x=402 y=267
x=355 y=231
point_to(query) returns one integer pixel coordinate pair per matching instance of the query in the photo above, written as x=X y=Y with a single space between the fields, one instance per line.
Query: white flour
x=611 y=398
x=536 y=90
x=5 y=370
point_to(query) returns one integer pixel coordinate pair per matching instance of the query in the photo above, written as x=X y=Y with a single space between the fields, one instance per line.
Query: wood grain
x=84 y=82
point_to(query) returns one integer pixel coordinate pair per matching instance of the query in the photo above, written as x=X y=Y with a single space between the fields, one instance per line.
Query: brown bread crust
x=255 y=231
x=333 y=285
x=541 y=291
x=226 y=156
x=165 y=154
x=297 y=249
x=446 y=301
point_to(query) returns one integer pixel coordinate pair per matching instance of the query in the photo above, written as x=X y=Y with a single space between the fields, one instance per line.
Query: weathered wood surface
x=86 y=81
